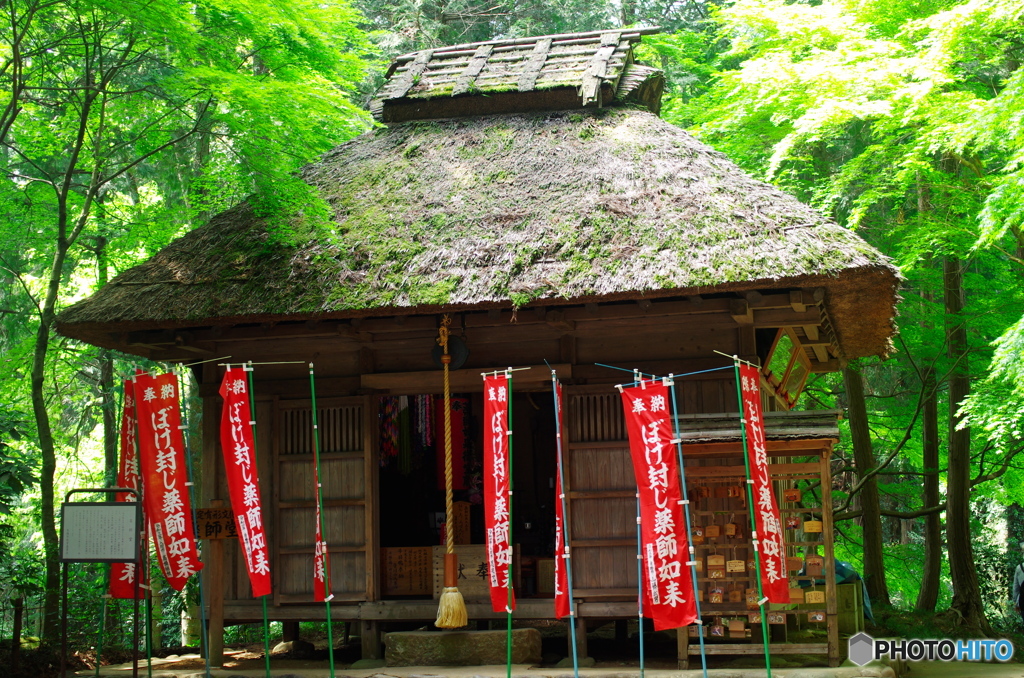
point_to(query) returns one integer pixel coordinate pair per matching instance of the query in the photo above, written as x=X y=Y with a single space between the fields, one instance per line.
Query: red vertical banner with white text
x=239 y=447
x=562 y=602
x=774 y=584
x=321 y=560
x=497 y=482
x=122 y=575
x=164 y=477
x=668 y=587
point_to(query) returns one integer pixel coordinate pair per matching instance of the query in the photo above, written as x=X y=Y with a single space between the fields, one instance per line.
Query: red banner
x=164 y=477
x=774 y=584
x=562 y=602
x=667 y=585
x=122 y=575
x=239 y=448
x=497 y=482
x=321 y=560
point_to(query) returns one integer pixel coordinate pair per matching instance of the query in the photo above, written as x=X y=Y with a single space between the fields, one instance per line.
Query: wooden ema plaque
x=777 y=618
x=816 y=617
x=716 y=595
x=406 y=571
x=794 y=564
x=752 y=599
x=814 y=597
x=696 y=631
x=716 y=567
x=796 y=594
x=737 y=628
x=730 y=530
x=792 y=494
x=712 y=531
x=754 y=618
x=793 y=523
x=735 y=596
x=697 y=534
x=815 y=565
x=812 y=526
x=736 y=566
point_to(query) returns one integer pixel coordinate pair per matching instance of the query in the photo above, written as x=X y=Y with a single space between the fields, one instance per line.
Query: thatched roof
x=548 y=72
x=543 y=208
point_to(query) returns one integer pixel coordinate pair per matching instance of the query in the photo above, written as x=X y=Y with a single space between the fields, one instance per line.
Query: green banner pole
x=567 y=557
x=753 y=517
x=256 y=461
x=511 y=541
x=678 y=442
x=320 y=508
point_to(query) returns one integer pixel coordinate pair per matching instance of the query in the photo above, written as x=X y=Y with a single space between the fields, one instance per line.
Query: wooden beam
x=831 y=365
x=464 y=380
x=741 y=311
x=796 y=300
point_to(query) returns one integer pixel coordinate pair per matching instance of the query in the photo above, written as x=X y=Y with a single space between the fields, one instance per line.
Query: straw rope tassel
x=451 y=611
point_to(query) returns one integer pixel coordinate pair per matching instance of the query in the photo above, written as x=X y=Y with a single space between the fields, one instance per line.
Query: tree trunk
x=966 y=591
x=47 y=448
x=871 y=518
x=108 y=405
x=928 y=595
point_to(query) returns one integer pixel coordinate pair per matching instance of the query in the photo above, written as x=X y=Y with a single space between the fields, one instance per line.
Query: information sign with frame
x=100 y=532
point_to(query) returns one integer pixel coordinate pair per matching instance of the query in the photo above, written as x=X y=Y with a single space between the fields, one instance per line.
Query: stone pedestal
x=460 y=648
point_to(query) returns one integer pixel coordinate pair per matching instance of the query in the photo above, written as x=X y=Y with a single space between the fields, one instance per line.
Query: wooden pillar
x=683 y=646
x=215 y=591
x=289 y=631
x=831 y=606
x=369 y=639
x=581 y=637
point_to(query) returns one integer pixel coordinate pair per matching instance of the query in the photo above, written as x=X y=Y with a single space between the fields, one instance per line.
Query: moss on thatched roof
x=509 y=210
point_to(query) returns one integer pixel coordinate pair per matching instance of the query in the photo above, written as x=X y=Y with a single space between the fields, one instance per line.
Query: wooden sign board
x=215 y=523
x=406 y=571
x=474 y=581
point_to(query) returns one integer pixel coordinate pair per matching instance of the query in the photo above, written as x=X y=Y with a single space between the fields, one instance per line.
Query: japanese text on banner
x=562 y=602
x=238 y=446
x=164 y=476
x=497 y=482
x=774 y=584
x=667 y=586
x=321 y=559
x=122 y=575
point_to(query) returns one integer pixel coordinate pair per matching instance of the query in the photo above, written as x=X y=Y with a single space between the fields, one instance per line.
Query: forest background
x=125 y=123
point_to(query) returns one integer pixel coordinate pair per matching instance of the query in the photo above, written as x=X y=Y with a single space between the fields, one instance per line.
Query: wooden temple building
x=529 y=189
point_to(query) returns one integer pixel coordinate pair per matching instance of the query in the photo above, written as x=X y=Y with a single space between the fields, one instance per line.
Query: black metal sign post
x=100 y=532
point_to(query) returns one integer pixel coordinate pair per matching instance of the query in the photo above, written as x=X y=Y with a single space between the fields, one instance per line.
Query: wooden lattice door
x=347 y=478
x=602 y=494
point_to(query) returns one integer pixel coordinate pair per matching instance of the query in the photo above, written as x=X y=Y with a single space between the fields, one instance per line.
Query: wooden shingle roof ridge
x=631 y=34
x=540 y=208
x=584 y=61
